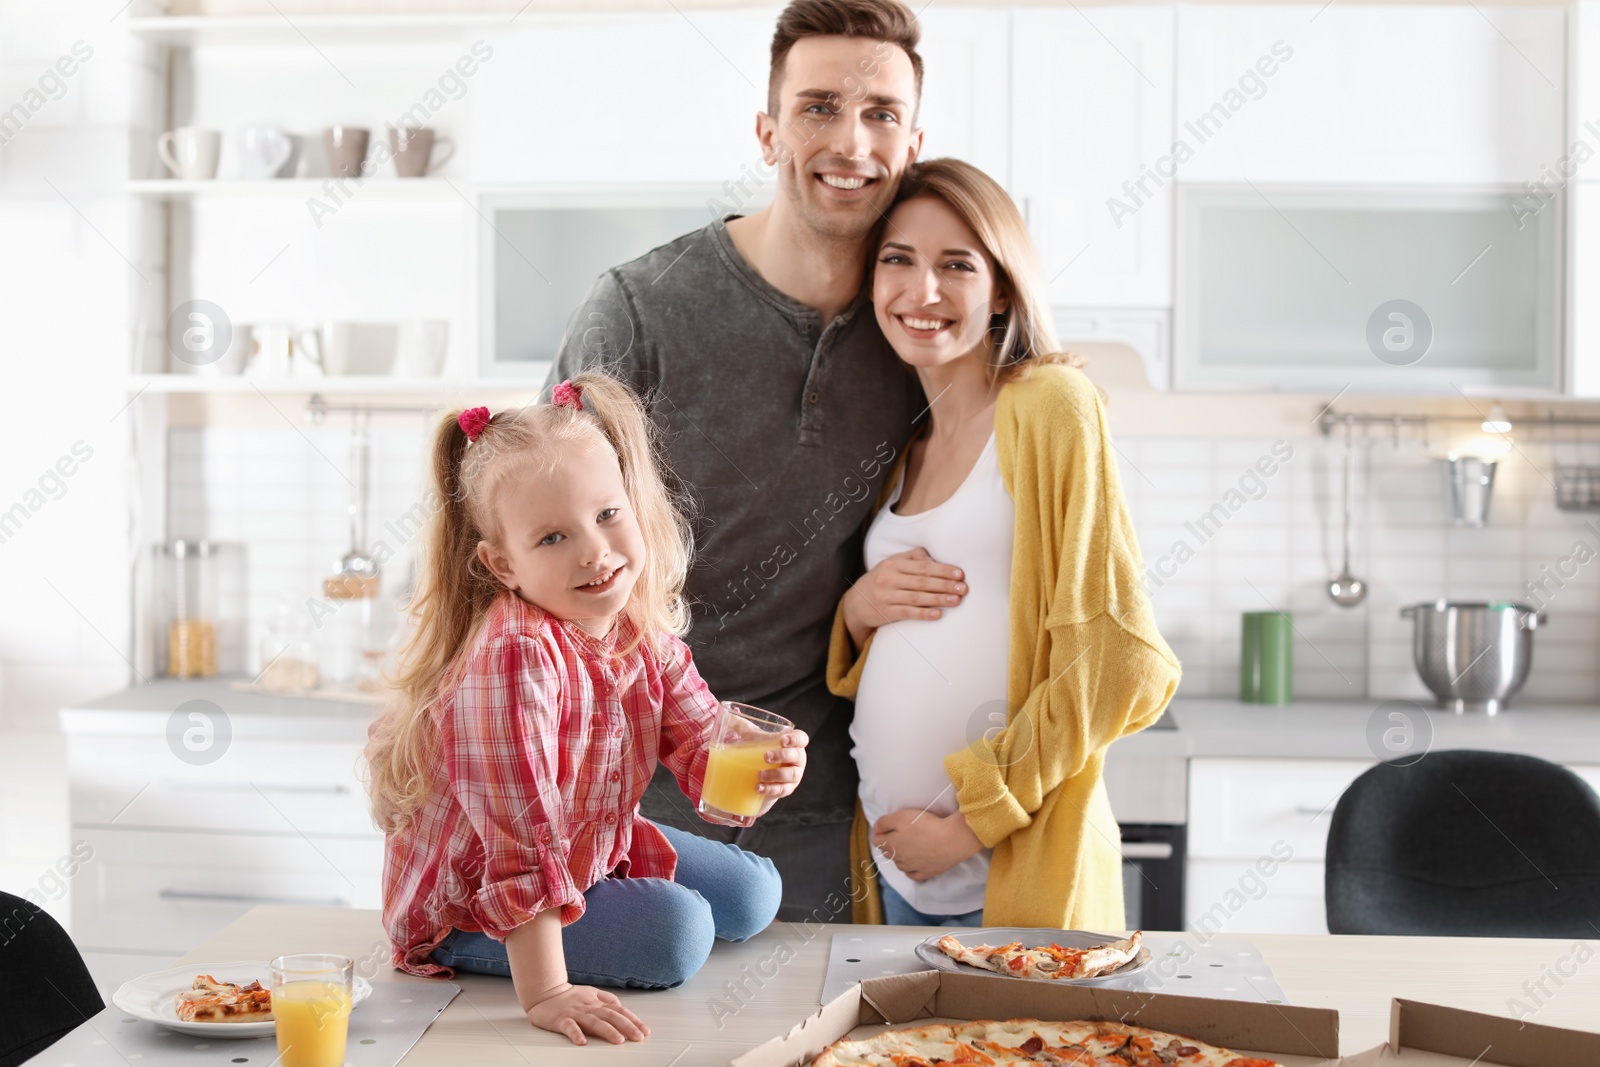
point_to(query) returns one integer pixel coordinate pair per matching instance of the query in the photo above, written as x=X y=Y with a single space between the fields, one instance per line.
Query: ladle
x=1347 y=590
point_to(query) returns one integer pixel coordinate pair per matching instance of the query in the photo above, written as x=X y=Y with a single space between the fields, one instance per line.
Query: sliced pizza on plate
x=1044 y=961
x=211 y=1001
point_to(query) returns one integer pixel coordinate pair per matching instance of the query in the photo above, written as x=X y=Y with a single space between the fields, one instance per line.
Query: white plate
x=928 y=951
x=154 y=997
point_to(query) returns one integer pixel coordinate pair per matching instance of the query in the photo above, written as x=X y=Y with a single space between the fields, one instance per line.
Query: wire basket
x=1577 y=487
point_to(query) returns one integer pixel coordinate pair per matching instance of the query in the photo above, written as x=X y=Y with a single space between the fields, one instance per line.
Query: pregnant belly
x=918 y=702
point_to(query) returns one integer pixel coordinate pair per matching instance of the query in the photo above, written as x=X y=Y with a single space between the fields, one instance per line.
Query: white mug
x=190 y=152
x=273 y=345
x=230 y=362
x=263 y=151
x=339 y=348
x=422 y=347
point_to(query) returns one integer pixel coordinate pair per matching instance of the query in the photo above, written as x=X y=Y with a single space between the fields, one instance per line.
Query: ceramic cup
x=272 y=347
x=339 y=348
x=347 y=150
x=413 y=146
x=1266 y=658
x=264 y=152
x=422 y=347
x=190 y=152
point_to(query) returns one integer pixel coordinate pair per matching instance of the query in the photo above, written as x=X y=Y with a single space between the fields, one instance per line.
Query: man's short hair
x=879 y=20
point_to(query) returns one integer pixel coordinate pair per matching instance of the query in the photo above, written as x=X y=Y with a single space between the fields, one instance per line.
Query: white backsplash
x=1278 y=552
x=284 y=496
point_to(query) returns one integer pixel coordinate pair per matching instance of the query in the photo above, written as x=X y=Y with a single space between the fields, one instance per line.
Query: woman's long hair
x=1023 y=334
x=455 y=591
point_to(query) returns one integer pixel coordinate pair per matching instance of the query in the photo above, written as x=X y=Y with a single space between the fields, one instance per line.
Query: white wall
x=68 y=300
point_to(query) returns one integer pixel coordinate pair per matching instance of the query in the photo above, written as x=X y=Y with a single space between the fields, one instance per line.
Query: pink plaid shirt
x=543 y=752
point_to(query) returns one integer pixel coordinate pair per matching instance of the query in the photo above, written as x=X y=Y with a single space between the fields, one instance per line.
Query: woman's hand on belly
x=923 y=845
x=906 y=585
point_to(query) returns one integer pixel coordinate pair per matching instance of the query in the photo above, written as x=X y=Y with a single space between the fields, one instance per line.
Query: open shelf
x=345 y=384
x=188 y=31
x=295 y=188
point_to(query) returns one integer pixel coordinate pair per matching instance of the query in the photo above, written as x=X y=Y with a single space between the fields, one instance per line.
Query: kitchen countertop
x=1311 y=729
x=1352 y=729
x=1146 y=775
x=778 y=976
x=146 y=709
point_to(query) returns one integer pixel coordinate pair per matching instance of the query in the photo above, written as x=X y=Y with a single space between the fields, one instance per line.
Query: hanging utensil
x=1347 y=590
x=357 y=564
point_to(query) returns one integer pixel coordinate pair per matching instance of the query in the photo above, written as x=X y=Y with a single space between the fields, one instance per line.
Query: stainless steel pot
x=1473 y=656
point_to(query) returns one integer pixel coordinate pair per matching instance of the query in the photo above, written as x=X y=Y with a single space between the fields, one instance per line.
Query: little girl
x=542 y=682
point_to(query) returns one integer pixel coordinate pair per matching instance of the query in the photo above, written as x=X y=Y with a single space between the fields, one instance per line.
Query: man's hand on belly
x=924 y=845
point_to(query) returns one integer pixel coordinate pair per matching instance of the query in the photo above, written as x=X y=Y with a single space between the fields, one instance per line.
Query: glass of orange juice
x=311 y=1009
x=740 y=741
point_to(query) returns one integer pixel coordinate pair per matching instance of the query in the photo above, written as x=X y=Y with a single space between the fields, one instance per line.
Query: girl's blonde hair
x=455 y=591
x=1023 y=334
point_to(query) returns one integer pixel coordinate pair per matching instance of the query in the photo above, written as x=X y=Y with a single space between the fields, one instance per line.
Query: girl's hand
x=575 y=1010
x=924 y=846
x=906 y=585
x=780 y=780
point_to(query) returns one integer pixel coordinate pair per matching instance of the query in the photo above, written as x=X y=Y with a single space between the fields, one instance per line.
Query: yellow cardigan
x=1087 y=666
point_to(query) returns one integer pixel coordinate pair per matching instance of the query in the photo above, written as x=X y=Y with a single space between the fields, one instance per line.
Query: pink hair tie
x=567 y=395
x=472 y=421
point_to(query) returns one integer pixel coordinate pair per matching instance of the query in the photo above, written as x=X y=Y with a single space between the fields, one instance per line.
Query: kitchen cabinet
x=1398 y=290
x=644 y=98
x=1583 y=286
x=965 y=92
x=177 y=848
x=673 y=98
x=1091 y=123
x=1446 y=93
x=156 y=891
x=1258 y=834
x=1584 y=122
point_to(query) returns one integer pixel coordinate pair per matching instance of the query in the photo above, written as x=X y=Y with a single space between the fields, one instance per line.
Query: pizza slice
x=1045 y=961
x=211 y=1001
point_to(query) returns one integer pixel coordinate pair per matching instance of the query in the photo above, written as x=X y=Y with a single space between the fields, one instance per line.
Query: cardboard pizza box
x=1428 y=1035
x=1420 y=1035
x=1300 y=1037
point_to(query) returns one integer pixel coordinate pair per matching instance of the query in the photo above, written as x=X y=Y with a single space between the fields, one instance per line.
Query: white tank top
x=932 y=686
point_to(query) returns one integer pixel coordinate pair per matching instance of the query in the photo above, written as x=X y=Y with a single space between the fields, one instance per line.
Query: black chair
x=45 y=989
x=1483 y=844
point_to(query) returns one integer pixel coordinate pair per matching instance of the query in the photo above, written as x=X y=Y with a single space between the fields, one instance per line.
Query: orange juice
x=313 y=1019
x=731 y=778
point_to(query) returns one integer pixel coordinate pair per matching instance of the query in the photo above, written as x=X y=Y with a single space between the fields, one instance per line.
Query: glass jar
x=288 y=653
x=188 y=587
x=347 y=623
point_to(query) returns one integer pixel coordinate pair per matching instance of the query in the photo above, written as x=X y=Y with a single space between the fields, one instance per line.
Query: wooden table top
x=699 y=1023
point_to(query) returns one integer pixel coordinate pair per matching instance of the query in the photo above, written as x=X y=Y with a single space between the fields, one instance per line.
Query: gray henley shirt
x=780 y=428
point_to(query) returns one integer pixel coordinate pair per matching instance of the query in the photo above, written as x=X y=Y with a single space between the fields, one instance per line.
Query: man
x=782 y=408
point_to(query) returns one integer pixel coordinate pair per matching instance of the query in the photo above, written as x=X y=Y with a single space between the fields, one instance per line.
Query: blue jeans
x=897 y=912
x=649 y=933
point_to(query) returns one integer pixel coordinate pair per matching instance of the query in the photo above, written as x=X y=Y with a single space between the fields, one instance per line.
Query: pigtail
x=453 y=595
x=657 y=604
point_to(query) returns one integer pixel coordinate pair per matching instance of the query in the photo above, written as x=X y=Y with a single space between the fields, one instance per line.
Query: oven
x=1152 y=875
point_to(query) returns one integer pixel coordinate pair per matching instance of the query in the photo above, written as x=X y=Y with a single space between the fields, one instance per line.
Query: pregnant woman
x=1001 y=638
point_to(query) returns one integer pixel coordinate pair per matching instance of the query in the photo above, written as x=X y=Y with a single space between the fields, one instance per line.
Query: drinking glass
x=311 y=1008
x=740 y=741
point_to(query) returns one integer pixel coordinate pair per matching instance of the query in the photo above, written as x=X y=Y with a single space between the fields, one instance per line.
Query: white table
x=483 y=1026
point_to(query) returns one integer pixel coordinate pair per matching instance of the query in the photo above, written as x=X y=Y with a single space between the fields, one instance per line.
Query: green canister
x=1266 y=658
